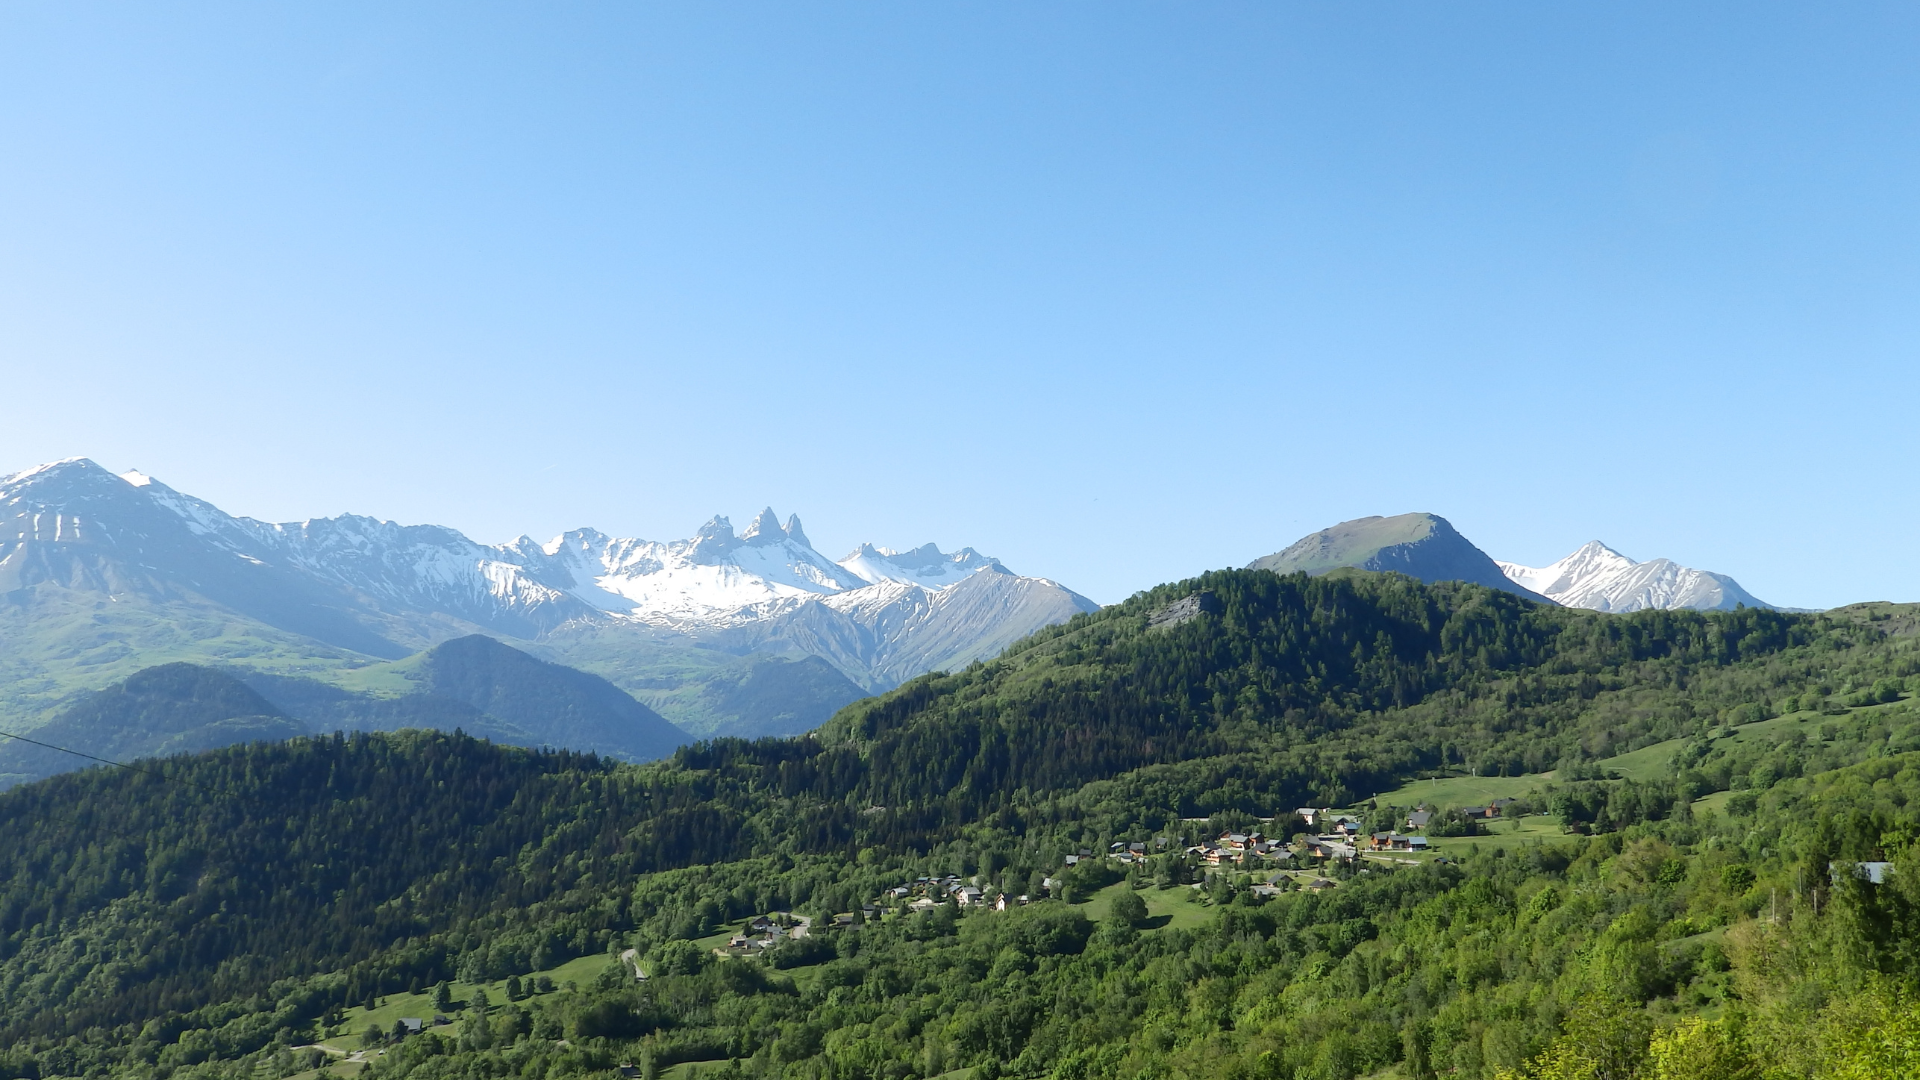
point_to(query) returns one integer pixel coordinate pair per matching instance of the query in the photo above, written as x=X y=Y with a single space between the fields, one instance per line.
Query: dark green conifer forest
x=1738 y=907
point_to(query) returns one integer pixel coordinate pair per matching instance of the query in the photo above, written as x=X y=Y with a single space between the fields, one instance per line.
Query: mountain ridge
x=473 y=684
x=1596 y=576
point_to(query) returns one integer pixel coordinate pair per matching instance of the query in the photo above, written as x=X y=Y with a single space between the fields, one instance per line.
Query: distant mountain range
x=753 y=634
x=1427 y=547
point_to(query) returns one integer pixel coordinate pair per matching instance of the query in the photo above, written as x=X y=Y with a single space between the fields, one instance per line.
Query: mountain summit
x=1423 y=546
x=1598 y=577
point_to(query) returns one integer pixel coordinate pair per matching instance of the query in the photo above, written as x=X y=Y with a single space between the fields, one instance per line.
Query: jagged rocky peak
x=715 y=538
x=765 y=529
x=925 y=565
x=924 y=555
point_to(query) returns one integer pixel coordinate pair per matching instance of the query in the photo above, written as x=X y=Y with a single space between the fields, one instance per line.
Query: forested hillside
x=209 y=913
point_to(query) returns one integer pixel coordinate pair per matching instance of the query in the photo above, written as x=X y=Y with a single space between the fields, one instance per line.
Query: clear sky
x=1114 y=291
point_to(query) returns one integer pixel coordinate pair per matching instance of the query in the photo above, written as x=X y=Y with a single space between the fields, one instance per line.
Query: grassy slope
x=1178 y=907
x=64 y=643
x=580 y=971
x=1448 y=792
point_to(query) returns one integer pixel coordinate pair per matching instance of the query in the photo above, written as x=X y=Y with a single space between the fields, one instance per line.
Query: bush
x=802 y=952
x=679 y=958
x=1128 y=909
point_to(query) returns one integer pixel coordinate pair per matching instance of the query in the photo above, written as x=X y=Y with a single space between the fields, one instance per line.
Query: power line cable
x=123 y=765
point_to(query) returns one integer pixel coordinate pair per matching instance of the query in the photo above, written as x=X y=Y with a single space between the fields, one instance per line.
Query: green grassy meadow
x=581 y=972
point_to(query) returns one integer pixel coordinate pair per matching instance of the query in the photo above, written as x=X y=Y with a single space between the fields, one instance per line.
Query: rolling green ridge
x=212 y=916
x=472 y=684
x=58 y=645
x=705 y=691
x=160 y=711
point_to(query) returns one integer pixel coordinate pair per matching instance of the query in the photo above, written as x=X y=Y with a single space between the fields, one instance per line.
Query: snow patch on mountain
x=1602 y=579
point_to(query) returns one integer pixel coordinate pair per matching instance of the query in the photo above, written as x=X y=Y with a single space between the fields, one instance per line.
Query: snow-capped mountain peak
x=1598 y=577
x=1593 y=560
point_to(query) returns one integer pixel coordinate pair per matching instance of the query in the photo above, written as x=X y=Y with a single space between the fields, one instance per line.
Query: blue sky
x=1115 y=292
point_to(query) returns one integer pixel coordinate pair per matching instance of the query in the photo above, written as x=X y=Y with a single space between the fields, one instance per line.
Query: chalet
x=1266 y=891
x=968 y=895
x=1307 y=814
x=843 y=920
x=1137 y=848
x=1418 y=819
x=1116 y=847
x=1330 y=847
x=760 y=925
x=924 y=903
x=412 y=1024
x=1073 y=860
x=1319 y=883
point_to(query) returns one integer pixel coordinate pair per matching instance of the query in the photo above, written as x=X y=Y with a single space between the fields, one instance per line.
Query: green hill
x=207 y=917
x=170 y=709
